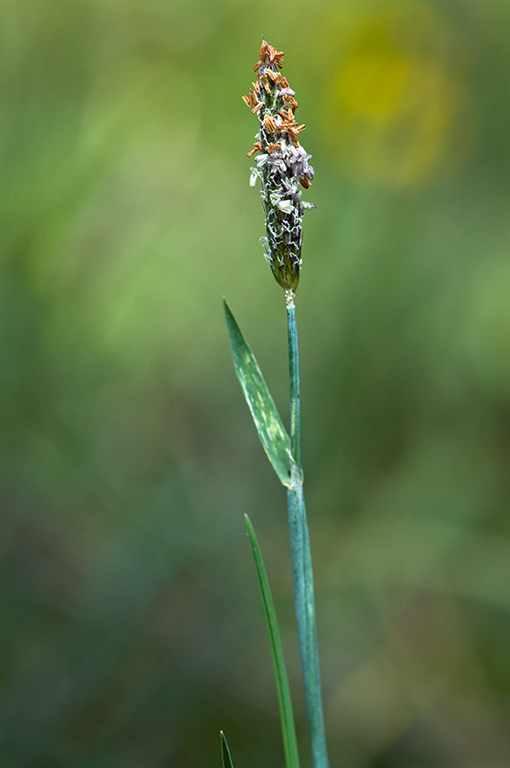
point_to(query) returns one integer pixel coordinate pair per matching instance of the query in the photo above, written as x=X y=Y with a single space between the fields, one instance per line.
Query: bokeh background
x=131 y=627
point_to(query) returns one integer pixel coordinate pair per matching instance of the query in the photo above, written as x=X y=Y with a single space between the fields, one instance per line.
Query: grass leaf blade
x=282 y=683
x=272 y=433
x=226 y=760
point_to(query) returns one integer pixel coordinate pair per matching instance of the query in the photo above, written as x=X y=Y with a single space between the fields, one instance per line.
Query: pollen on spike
x=250 y=100
x=291 y=101
x=257 y=147
x=274 y=55
x=272 y=75
x=270 y=124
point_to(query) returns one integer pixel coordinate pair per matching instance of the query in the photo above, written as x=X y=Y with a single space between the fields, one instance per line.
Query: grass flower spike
x=282 y=165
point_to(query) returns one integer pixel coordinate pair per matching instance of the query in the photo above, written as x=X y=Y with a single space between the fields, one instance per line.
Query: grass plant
x=283 y=167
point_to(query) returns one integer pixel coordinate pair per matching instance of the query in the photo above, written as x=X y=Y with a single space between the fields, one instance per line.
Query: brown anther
x=291 y=101
x=256 y=86
x=257 y=147
x=256 y=108
x=270 y=124
x=250 y=100
x=305 y=181
x=273 y=147
x=265 y=83
x=292 y=129
x=290 y=126
x=272 y=75
x=275 y=56
x=268 y=53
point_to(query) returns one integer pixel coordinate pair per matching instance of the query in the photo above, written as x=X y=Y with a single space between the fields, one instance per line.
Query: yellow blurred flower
x=398 y=104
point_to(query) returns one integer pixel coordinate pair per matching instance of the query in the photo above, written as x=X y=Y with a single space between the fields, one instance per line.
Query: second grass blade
x=226 y=760
x=282 y=683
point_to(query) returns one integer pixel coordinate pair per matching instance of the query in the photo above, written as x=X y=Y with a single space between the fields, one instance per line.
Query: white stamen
x=285 y=206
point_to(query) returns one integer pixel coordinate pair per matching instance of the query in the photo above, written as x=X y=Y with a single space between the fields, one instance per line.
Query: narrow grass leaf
x=226 y=760
x=272 y=433
x=282 y=682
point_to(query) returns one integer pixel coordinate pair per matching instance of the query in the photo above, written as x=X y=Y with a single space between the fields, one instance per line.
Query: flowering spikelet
x=282 y=164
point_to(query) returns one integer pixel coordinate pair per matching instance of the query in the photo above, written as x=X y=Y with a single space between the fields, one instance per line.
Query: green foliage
x=282 y=683
x=226 y=760
x=272 y=433
x=125 y=452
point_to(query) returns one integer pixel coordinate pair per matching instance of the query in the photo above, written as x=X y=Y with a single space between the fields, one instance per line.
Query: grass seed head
x=282 y=165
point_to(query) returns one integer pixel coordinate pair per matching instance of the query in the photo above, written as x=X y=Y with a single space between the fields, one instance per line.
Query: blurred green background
x=131 y=627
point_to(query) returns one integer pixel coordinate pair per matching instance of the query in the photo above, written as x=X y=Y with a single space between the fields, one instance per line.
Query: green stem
x=302 y=574
x=295 y=398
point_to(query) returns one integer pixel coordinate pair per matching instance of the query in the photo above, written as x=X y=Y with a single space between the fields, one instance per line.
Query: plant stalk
x=301 y=559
